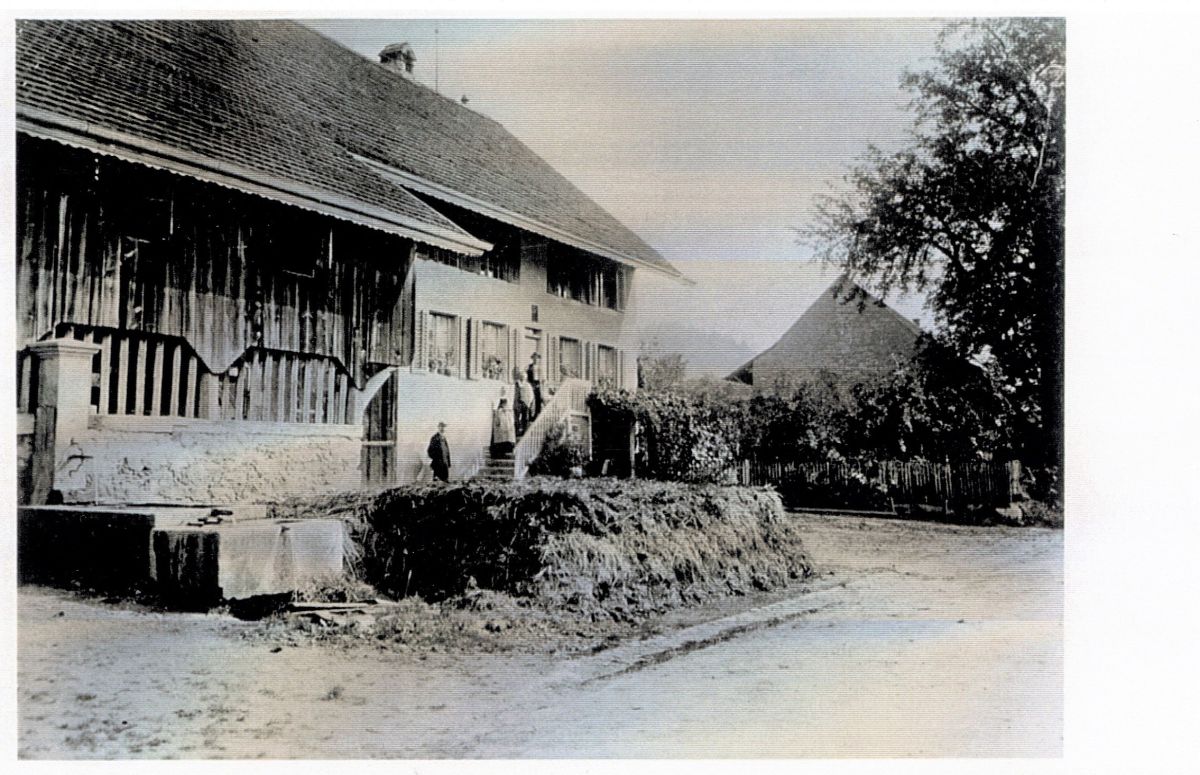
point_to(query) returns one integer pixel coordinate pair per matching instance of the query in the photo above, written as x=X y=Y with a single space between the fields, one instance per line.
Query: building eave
x=438 y=191
x=48 y=125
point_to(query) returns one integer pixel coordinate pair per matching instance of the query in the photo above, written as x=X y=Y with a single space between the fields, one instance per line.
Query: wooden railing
x=139 y=373
x=279 y=386
x=571 y=396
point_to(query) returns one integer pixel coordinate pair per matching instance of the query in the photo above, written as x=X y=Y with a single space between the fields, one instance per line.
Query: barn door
x=379 y=437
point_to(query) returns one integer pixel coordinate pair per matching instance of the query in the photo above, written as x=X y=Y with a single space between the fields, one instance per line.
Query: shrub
x=681 y=438
x=862 y=489
x=561 y=454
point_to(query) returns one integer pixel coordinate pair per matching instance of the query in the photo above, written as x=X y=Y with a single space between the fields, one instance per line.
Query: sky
x=710 y=139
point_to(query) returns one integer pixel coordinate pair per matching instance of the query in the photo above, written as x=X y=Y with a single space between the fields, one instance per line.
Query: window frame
x=454 y=369
x=503 y=340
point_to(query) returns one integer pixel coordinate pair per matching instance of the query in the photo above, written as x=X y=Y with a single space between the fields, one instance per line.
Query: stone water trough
x=184 y=554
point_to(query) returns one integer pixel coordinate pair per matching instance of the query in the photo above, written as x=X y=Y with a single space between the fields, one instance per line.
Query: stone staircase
x=498 y=469
x=570 y=397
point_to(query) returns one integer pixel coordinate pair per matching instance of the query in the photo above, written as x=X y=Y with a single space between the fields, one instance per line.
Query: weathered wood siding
x=107 y=244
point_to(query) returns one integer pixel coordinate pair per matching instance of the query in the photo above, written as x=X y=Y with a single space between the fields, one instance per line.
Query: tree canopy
x=971 y=213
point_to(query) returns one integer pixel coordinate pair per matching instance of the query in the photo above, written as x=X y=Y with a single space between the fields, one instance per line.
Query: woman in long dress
x=504 y=435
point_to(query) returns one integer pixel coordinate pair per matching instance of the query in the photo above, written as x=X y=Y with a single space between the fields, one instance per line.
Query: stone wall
x=143 y=460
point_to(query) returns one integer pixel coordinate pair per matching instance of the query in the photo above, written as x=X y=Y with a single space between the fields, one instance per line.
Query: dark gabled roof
x=284 y=106
x=846 y=332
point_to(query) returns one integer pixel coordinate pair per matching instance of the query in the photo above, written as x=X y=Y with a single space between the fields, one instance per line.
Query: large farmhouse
x=847 y=335
x=252 y=263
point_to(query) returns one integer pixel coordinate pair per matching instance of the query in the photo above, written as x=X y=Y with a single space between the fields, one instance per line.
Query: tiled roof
x=276 y=98
x=835 y=336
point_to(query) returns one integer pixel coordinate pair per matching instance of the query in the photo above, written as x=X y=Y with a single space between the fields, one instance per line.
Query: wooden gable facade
x=206 y=302
x=251 y=264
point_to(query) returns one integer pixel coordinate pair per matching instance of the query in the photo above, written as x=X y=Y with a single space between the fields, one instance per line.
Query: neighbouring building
x=251 y=263
x=845 y=336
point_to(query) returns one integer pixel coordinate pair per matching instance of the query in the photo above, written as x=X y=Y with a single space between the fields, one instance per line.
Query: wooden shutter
x=514 y=352
x=555 y=345
x=421 y=342
x=475 y=354
x=461 y=324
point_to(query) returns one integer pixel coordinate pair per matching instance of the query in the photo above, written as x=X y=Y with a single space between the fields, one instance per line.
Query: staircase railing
x=570 y=397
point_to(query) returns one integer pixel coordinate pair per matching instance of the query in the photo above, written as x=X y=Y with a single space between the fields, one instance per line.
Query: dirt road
x=918 y=640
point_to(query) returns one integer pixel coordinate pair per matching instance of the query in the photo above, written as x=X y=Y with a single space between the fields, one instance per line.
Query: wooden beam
x=259 y=390
x=239 y=385
x=330 y=394
x=208 y=403
x=194 y=402
x=139 y=380
x=343 y=398
x=122 y=366
x=176 y=379
x=156 y=378
x=102 y=340
x=278 y=387
x=293 y=391
x=319 y=391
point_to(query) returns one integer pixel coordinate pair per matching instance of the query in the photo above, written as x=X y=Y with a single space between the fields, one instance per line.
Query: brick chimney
x=398 y=57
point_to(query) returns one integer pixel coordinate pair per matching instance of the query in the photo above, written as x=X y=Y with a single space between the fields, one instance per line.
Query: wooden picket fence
x=146 y=374
x=870 y=484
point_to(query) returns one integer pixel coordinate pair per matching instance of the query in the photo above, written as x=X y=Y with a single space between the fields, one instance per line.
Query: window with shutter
x=493 y=358
x=607 y=367
x=445 y=345
x=570 y=358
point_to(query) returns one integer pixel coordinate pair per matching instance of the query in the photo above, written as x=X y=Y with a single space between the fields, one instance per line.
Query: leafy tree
x=972 y=213
x=934 y=407
x=658 y=370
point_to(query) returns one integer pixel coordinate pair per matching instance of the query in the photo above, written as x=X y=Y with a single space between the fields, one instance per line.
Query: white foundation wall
x=201 y=462
x=144 y=460
x=424 y=400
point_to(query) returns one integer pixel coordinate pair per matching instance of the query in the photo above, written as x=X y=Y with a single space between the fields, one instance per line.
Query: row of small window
x=596 y=284
x=486 y=350
x=501 y=263
x=569 y=275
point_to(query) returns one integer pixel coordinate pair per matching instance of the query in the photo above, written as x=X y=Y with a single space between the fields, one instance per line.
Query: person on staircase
x=504 y=436
x=534 y=375
x=523 y=403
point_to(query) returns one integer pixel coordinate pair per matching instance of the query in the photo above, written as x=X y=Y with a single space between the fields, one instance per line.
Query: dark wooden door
x=379 y=437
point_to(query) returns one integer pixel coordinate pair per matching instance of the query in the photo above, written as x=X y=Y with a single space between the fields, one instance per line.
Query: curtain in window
x=570 y=358
x=443 y=343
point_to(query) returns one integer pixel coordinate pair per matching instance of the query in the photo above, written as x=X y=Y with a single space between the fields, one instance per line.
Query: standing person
x=439 y=454
x=524 y=403
x=534 y=375
x=504 y=437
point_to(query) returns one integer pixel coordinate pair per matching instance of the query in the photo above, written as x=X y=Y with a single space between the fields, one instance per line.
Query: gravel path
x=918 y=639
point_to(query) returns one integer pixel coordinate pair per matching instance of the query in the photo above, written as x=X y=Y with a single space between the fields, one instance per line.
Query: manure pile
x=600 y=547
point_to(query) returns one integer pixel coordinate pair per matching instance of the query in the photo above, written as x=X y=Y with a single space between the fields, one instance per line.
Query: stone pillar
x=63 y=405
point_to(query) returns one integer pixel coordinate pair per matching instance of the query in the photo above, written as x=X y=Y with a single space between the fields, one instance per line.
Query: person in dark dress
x=533 y=375
x=523 y=404
x=439 y=454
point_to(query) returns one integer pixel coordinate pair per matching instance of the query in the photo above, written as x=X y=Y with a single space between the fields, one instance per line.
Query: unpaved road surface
x=917 y=640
